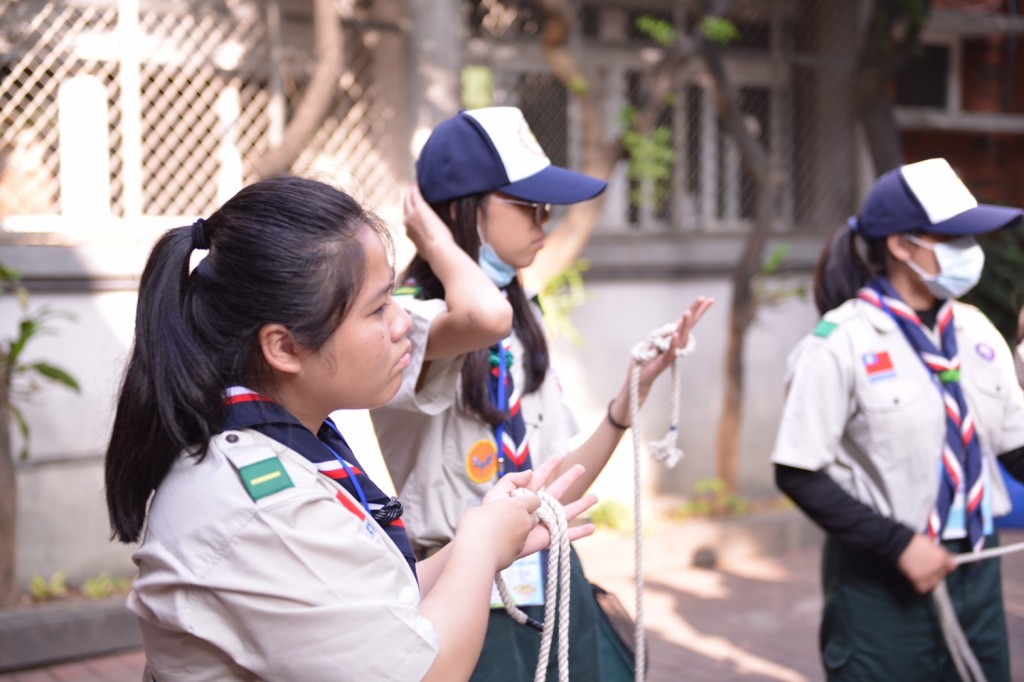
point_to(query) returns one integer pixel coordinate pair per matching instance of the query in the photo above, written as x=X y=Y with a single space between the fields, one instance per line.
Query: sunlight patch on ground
x=659 y=609
x=755 y=568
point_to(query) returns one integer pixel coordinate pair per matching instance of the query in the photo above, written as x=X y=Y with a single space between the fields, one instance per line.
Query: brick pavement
x=752 y=618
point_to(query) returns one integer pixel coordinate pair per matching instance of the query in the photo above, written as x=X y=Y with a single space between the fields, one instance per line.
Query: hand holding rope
x=551 y=515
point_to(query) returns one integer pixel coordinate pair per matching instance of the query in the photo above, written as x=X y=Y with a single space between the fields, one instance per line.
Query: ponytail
x=841 y=270
x=169 y=396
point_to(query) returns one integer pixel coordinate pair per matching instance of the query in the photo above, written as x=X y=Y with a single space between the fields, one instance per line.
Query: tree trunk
x=8 y=500
x=743 y=306
x=313 y=108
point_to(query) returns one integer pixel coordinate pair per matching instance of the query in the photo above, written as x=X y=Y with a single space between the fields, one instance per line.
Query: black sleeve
x=1013 y=462
x=846 y=519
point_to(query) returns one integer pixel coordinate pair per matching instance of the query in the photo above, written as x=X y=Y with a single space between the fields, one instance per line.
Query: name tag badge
x=525 y=582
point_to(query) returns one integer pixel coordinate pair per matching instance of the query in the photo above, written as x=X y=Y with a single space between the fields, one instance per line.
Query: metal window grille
x=783 y=66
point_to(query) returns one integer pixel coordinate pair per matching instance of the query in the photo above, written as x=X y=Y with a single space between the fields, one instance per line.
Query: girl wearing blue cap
x=898 y=405
x=480 y=399
x=267 y=553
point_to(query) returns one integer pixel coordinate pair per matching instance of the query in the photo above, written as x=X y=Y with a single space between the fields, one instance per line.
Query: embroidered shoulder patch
x=407 y=290
x=824 y=328
x=265 y=478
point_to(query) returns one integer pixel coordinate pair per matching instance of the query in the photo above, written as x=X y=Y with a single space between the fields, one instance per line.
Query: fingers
x=574 y=509
x=581 y=531
x=558 y=487
x=541 y=473
x=507 y=484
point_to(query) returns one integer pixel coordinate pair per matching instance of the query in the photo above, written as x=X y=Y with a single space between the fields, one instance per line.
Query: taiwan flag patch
x=878 y=366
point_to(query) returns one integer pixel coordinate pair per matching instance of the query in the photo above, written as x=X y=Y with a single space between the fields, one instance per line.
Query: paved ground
x=751 y=618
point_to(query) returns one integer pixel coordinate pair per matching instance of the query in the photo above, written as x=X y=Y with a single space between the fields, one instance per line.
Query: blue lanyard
x=499 y=430
x=348 y=470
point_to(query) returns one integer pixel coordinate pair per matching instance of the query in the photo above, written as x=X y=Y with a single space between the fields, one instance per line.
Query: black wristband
x=611 y=419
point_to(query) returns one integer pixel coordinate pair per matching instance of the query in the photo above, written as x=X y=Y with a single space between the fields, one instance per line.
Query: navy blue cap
x=494 y=150
x=927 y=197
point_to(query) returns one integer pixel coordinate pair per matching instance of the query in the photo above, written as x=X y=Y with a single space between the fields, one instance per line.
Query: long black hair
x=842 y=269
x=460 y=215
x=285 y=251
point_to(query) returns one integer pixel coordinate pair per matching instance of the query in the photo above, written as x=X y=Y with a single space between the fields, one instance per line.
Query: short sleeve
x=816 y=408
x=428 y=388
x=1013 y=421
x=328 y=601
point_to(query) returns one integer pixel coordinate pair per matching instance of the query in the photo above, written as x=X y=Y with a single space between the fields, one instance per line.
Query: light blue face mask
x=500 y=272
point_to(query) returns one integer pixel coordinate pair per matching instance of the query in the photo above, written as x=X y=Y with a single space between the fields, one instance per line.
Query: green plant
x=103 y=585
x=711 y=499
x=21 y=379
x=772 y=287
x=45 y=589
x=561 y=294
x=611 y=514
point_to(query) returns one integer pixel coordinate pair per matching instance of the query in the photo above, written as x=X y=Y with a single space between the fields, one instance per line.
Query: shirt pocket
x=904 y=428
x=986 y=391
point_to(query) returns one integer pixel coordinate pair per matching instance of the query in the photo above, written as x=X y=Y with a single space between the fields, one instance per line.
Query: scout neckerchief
x=961 y=453
x=328 y=450
x=510 y=433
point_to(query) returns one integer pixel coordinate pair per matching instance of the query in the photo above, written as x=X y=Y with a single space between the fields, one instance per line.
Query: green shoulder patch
x=408 y=290
x=265 y=478
x=824 y=328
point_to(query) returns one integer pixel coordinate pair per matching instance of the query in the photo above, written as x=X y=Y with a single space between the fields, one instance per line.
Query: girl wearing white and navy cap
x=480 y=398
x=898 y=405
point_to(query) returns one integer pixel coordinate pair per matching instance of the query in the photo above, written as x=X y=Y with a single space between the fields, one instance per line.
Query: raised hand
x=424 y=227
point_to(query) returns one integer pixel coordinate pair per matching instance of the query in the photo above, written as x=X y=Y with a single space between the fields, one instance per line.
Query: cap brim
x=977 y=220
x=555 y=185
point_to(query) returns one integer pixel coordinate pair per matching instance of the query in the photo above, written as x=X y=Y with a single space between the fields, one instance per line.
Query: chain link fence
x=186 y=96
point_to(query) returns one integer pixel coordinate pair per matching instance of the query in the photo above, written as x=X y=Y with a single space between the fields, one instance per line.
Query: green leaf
x=775 y=259
x=55 y=374
x=719 y=30
x=659 y=30
x=22 y=424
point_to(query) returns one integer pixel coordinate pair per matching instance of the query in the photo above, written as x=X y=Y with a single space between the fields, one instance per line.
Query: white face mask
x=960 y=264
x=500 y=272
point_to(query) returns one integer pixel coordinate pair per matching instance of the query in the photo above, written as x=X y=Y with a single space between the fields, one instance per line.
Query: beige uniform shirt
x=1018 y=357
x=290 y=586
x=879 y=432
x=441 y=459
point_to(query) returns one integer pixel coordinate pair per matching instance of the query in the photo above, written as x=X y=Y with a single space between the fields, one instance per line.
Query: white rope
x=960 y=651
x=966 y=663
x=666 y=450
x=971 y=557
x=551 y=514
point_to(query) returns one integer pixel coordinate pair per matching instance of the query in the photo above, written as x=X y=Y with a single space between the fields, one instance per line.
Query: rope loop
x=552 y=515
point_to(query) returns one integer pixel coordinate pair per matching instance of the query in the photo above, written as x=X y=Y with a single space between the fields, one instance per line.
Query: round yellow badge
x=482 y=461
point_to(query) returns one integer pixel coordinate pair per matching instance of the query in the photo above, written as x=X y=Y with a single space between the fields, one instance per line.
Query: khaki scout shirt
x=441 y=458
x=290 y=586
x=879 y=431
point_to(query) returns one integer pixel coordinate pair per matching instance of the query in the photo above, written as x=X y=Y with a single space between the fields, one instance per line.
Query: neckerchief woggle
x=962 y=466
x=328 y=450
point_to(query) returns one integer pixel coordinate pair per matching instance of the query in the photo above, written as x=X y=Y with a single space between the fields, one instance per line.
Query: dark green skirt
x=595 y=654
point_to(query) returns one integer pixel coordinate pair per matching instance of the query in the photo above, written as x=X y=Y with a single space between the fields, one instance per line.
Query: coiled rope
x=665 y=450
x=551 y=514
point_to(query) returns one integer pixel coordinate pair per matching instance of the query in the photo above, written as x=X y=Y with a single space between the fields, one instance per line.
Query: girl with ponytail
x=898 y=404
x=266 y=551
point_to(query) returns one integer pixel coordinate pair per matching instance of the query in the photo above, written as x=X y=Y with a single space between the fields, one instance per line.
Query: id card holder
x=524 y=580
